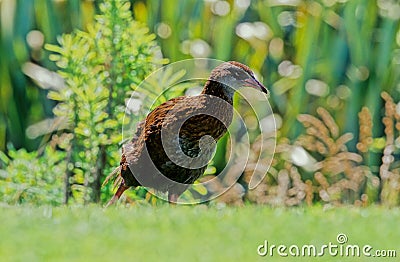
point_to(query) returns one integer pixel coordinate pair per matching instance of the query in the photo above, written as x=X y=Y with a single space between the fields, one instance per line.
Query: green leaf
x=4 y=158
x=201 y=189
x=55 y=95
x=54 y=48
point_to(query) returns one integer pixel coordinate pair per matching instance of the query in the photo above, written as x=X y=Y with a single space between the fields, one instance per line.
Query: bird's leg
x=121 y=189
x=173 y=198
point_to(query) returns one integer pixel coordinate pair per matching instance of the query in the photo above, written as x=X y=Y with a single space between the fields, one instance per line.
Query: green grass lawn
x=186 y=233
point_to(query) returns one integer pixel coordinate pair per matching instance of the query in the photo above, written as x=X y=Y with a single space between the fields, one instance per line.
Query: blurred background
x=332 y=67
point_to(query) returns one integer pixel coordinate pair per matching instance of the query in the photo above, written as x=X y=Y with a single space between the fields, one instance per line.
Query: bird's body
x=168 y=151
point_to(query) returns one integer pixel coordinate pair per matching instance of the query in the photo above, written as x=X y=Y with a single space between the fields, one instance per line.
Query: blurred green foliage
x=32 y=178
x=337 y=55
x=22 y=103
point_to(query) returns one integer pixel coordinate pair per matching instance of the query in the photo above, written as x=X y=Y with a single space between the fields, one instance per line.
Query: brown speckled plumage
x=145 y=161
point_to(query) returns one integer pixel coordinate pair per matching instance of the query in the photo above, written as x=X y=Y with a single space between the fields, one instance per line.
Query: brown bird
x=172 y=146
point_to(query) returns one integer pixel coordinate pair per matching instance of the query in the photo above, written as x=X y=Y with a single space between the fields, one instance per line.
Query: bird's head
x=236 y=75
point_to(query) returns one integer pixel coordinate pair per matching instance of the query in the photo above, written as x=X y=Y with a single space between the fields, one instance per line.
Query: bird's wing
x=167 y=113
x=155 y=119
x=150 y=127
x=193 y=115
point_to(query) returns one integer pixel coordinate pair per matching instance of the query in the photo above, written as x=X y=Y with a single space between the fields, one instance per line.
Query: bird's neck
x=219 y=90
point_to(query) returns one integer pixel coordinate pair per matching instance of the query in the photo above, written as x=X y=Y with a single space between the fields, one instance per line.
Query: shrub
x=32 y=177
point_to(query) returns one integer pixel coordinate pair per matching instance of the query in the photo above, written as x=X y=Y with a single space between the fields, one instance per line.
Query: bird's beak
x=254 y=83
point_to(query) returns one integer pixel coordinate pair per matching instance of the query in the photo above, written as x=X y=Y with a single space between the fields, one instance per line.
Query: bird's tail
x=114 y=175
x=118 y=182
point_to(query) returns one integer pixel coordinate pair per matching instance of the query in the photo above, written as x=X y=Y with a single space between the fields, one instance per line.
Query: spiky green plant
x=100 y=66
